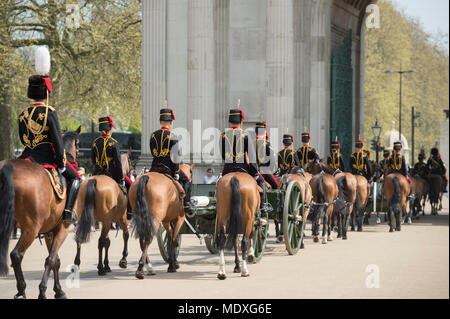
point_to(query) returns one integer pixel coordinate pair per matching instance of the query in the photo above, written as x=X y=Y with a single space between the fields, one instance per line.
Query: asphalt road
x=413 y=263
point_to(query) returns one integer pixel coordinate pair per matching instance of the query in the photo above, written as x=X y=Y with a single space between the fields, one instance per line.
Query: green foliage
x=401 y=43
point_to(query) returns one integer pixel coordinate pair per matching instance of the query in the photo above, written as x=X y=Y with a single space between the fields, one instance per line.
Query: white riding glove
x=176 y=176
x=61 y=170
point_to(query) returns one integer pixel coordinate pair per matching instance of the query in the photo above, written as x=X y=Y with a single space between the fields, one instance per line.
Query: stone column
x=154 y=71
x=280 y=66
x=221 y=26
x=201 y=87
x=320 y=75
x=302 y=54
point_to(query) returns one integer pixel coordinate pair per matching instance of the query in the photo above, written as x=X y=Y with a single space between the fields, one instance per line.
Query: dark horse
x=396 y=190
x=27 y=196
x=437 y=186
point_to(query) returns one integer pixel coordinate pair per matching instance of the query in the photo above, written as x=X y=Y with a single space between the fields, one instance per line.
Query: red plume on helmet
x=242 y=114
x=110 y=121
x=173 y=115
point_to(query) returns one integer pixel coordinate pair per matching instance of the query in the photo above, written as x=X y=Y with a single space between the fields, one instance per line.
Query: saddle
x=58 y=182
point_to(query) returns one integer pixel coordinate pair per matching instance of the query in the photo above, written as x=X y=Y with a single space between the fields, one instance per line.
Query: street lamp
x=376 y=130
x=401 y=72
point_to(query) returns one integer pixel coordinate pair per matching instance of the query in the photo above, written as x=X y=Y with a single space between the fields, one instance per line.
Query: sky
x=432 y=13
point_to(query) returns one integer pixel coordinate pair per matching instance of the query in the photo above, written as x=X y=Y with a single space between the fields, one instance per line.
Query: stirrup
x=68 y=216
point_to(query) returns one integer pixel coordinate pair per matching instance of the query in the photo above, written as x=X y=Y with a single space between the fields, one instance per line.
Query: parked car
x=125 y=139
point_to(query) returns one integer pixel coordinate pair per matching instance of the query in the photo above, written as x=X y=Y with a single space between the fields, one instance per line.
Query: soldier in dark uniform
x=436 y=166
x=237 y=150
x=163 y=145
x=334 y=159
x=397 y=165
x=105 y=153
x=359 y=163
x=40 y=133
x=421 y=168
x=306 y=154
x=384 y=163
x=265 y=156
x=287 y=158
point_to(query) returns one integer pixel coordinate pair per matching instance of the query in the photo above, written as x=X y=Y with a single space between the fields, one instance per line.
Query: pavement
x=413 y=263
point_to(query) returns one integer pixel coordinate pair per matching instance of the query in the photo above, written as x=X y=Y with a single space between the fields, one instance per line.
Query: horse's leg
x=390 y=222
x=51 y=261
x=244 y=248
x=25 y=240
x=101 y=245
x=330 y=226
x=126 y=236
x=77 y=260
x=344 y=226
x=171 y=246
x=278 y=231
x=106 y=262
x=176 y=232
x=59 y=294
x=222 y=274
x=359 y=220
x=143 y=261
x=324 y=228
x=339 y=225
x=237 y=268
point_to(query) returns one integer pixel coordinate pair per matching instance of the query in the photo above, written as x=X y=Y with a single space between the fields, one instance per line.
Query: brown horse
x=101 y=199
x=125 y=161
x=437 y=186
x=421 y=189
x=347 y=192
x=237 y=201
x=396 y=190
x=155 y=198
x=27 y=196
x=362 y=197
x=324 y=193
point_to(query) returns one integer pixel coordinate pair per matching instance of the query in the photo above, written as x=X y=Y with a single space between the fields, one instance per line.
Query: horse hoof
x=316 y=239
x=237 y=270
x=123 y=264
x=101 y=272
x=330 y=238
x=139 y=274
x=107 y=269
x=247 y=274
x=344 y=237
x=251 y=259
x=398 y=229
x=391 y=230
x=359 y=229
x=222 y=276
x=20 y=296
x=177 y=265
x=42 y=296
x=171 y=269
x=352 y=229
x=302 y=246
x=60 y=295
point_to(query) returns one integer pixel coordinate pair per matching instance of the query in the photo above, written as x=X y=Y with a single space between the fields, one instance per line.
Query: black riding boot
x=70 y=202
x=262 y=184
x=411 y=195
x=187 y=199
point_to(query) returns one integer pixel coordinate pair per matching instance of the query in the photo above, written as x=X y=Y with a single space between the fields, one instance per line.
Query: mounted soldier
x=105 y=154
x=359 y=162
x=334 y=159
x=40 y=132
x=287 y=158
x=384 y=163
x=421 y=168
x=436 y=166
x=238 y=151
x=265 y=156
x=164 y=148
x=307 y=154
x=397 y=165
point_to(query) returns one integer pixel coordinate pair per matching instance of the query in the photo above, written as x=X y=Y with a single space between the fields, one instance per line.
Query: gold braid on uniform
x=397 y=162
x=239 y=153
x=359 y=161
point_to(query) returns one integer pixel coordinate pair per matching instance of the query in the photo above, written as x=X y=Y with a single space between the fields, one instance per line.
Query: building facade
x=298 y=64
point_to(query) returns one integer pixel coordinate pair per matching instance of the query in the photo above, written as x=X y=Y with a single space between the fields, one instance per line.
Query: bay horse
x=362 y=197
x=324 y=193
x=155 y=199
x=347 y=192
x=421 y=188
x=101 y=199
x=437 y=186
x=396 y=190
x=237 y=201
x=27 y=196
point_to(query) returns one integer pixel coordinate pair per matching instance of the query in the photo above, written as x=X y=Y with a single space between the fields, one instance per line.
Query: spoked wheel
x=163 y=244
x=260 y=231
x=293 y=218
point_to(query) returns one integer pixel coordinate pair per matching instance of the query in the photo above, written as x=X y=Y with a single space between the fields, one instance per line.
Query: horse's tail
x=235 y=225
x=396 y=204
x=143 y=216
x=6 y=214
x=319 y=210
x=87 y=217
x=342 y=195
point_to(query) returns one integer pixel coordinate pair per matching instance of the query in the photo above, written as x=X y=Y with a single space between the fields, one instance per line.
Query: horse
x=27 y=196
x=396 y=189
x=156 y=198
x=126 y=165
x=101 y=199
x=437 y=186
x=362 y=197
x=237 y=201
x=324 y=194
x=347 y=192
x=421 y=189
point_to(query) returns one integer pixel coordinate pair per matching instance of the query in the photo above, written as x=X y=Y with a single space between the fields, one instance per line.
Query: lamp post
x=401 y=72
x=376 y=130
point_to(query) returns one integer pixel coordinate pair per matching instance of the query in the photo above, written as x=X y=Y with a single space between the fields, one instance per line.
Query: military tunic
x=265 y=159
x=287 y=159
x=397 y=164
x=40 y=133
x=235 y=144
x=306 y=154
x=359 y=164
x=105 y=156
x=384 y=165
x=421 y=169
x=335 y=161
x=161 y=143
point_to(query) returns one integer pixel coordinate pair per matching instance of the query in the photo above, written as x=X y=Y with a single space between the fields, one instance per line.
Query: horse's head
x=71 y=142
x=126 y=164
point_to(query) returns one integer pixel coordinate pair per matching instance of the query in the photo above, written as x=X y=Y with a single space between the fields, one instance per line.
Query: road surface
x=413 y=263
